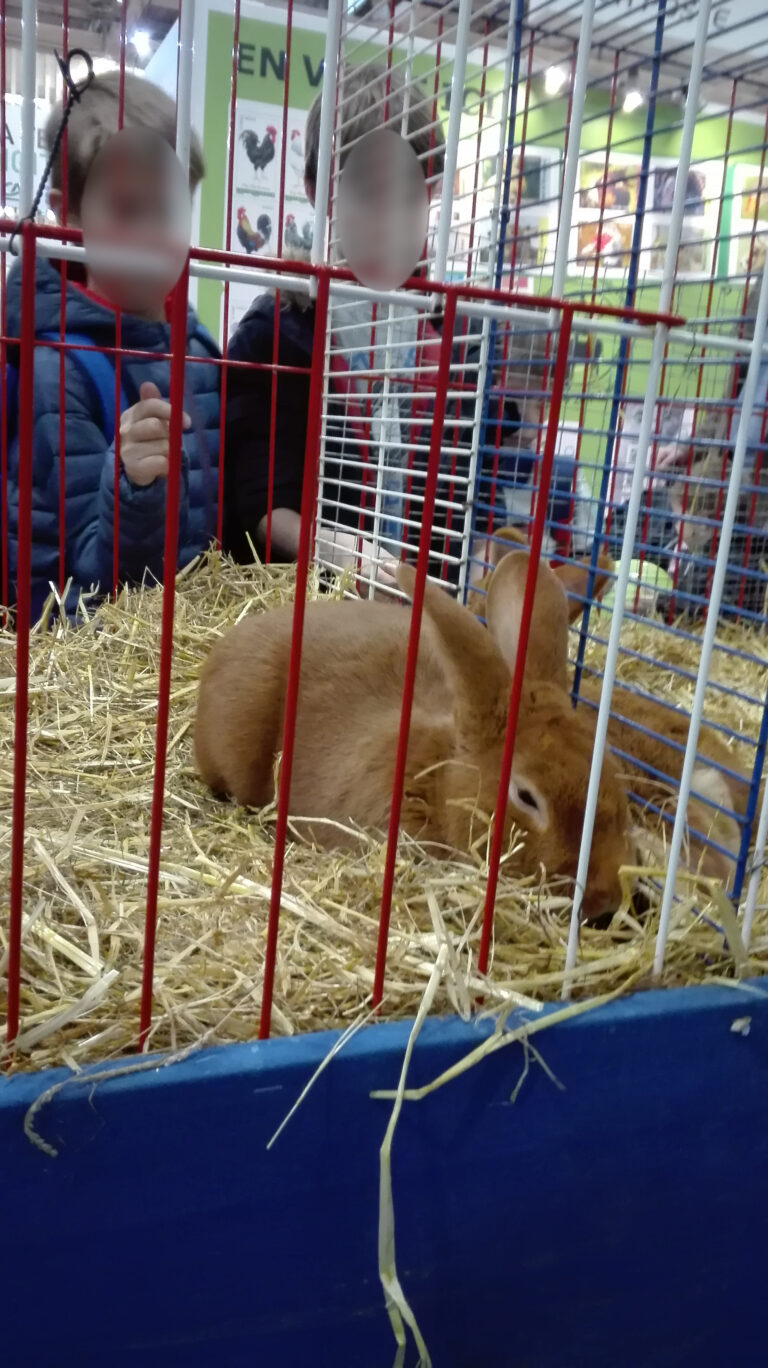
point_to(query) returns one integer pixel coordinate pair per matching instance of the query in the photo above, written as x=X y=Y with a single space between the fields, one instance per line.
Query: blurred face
x=382 y=210
x=135 y=217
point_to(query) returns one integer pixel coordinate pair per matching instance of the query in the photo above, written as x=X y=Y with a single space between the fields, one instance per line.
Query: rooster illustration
x=296 y=149
x=259 y=151
x=296 y=239
x=250 y=240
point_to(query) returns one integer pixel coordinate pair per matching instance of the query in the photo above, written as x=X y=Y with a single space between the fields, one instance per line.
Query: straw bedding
x=91 y=752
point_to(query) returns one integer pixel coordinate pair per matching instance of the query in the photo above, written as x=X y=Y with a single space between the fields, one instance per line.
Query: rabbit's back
x=350 y=692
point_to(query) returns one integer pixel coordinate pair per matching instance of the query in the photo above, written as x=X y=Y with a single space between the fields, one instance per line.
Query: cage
x=572 y=378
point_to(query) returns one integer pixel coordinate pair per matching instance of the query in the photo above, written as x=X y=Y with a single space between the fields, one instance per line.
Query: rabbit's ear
x=502 y=542
x=574 y=578
x=547 y=654
x=477 y=674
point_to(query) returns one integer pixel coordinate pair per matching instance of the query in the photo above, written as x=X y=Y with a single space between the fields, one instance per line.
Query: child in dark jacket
x=89 y=454
x=249 y=398
x=346 y=501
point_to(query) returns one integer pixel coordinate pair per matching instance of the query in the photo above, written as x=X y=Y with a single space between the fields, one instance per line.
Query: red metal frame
x=452 y=294
x=3 y=353
x=276 y=324
x=430 y=490
x=63 y=324
x=227 y=239
x=23 y=622
x=118 y=341
x=170 y=558
x=472 y=294
x=308 y=501
x=537 y=537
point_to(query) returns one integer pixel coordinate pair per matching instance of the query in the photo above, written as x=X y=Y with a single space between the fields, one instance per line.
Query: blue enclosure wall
x=619 y=1223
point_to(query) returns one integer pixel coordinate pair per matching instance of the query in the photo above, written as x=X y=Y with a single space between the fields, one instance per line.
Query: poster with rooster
x=256 y=179
x=257 y=158
x=256 y=206
x=297 y=224
x=294 y=157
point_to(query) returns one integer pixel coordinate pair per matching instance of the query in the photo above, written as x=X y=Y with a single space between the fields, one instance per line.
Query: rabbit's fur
x=648 y=735
x=350 y=695
x=507 y=540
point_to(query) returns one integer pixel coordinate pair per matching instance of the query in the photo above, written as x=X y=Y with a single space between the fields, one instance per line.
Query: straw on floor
x=91 y=753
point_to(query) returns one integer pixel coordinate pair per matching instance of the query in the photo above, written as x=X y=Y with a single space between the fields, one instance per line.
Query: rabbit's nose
x=601 y=901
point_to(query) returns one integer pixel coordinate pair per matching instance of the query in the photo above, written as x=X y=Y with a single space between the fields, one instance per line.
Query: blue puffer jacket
x=90 y=462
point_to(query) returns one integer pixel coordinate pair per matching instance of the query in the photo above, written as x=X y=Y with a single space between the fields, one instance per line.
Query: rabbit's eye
x=530 y=802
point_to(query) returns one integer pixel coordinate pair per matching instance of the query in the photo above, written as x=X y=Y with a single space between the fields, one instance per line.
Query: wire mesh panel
x=574 y=367
x=562 y=174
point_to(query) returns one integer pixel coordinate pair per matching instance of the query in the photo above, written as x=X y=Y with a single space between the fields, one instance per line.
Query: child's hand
x=144 y=432
x=350 y=551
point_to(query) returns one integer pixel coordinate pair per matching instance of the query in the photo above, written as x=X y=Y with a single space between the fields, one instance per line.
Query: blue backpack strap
x=11 y=415
x=100 y=372
x=204 y=338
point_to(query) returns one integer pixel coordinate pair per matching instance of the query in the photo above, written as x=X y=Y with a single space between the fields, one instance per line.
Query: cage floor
x=93 y=708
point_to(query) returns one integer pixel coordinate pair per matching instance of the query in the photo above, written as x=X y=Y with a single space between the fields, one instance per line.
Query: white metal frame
x=643 y=447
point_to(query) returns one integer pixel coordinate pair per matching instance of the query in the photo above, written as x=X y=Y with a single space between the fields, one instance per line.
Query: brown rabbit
x=353 y=663
x=486 y=555
x=647 y=734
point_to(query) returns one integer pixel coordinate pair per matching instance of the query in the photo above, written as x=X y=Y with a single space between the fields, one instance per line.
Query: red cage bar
x=228 y=239
x=23 y=624
x=176 y=397
x=452 y=294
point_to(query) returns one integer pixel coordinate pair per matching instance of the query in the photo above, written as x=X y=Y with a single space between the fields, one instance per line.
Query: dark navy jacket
x=249 y=399
x=249 y=392
x=90 y=462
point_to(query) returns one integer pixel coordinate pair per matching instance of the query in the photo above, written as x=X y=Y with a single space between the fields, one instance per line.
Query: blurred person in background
x=130 y=201
x=365 y=490
x=700 y=490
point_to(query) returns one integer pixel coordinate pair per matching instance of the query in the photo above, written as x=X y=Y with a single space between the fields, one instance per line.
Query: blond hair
x=367 y=94
x=94 y=120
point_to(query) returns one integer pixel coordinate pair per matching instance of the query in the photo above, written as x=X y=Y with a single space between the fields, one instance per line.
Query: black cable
x=75 y=91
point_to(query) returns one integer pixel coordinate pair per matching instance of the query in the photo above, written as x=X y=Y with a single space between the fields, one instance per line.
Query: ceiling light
x=632 y=101
x=554 y=80
x=142 y=42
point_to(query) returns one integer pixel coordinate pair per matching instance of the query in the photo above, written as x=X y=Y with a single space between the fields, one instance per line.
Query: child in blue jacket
x=89 y=454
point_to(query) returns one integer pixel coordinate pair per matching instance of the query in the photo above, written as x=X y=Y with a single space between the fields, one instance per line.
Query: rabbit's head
x=553 y=745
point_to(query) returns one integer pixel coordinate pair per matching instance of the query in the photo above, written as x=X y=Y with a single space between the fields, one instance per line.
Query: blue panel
x=618 y=1224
